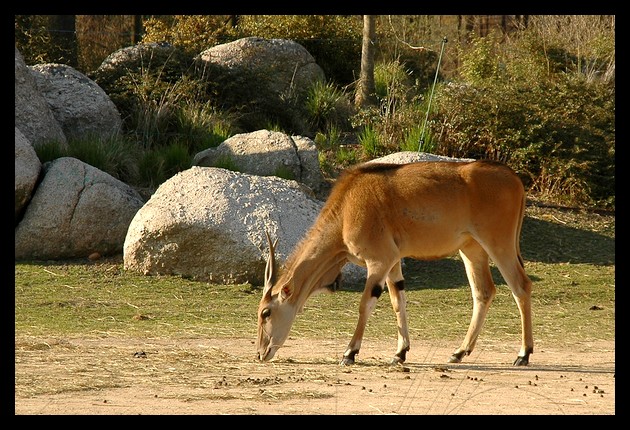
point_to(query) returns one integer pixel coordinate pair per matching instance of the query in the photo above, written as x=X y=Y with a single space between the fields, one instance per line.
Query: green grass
x=569 y=257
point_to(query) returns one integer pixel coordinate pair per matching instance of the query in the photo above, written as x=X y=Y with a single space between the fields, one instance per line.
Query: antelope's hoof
x=346 y=361
x=521 y=361
x=457 y=357
x=396 y=361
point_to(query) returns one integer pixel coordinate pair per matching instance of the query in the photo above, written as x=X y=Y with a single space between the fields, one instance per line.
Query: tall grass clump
x=328 y=106
x=369 y=140
x=116 y=156
x=395 y=91
x=418 y=138
x=201 y=125
x=398 y=120
x=347 y=156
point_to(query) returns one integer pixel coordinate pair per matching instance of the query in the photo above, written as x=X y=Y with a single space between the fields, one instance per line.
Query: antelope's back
x=439 y=202
x=441 y=181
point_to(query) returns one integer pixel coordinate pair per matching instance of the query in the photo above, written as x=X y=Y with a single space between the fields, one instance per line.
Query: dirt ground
x=115 y=376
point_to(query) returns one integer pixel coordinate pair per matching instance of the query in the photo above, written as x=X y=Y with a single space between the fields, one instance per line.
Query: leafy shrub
x=559 y=135
x=191 y=33
x=32 y=39
x=480 y=63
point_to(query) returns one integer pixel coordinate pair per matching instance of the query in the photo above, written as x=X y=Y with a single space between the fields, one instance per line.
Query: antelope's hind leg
x=521 y=286
x=483 y=291
x=396 y=288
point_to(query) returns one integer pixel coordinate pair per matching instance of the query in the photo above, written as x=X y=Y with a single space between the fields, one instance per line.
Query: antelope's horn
x=270 y=269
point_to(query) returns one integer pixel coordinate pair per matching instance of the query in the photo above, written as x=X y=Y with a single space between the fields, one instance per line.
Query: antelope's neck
x=317 y=263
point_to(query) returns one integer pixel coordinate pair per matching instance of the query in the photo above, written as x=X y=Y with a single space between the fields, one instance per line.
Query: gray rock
x=142 y=56
x=78 y=104
x=33 y=115
x=76 y=210
x=405 y=157
x=311 y=169
x=209 y=224
x=267 y=153
x=286 y=65
x=27 y=168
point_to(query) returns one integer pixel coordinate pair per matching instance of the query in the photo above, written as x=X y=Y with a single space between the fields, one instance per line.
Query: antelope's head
x=275 y=313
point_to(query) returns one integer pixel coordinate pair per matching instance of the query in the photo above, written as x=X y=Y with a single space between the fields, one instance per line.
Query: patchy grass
x=570 y=257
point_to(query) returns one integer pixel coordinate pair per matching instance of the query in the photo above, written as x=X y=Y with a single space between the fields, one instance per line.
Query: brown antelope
x=377 y=214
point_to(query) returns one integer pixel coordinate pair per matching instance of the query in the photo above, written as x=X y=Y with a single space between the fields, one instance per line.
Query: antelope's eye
x=265 y=313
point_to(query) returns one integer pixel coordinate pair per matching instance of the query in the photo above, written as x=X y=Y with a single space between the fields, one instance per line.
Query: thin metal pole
x=426 y=118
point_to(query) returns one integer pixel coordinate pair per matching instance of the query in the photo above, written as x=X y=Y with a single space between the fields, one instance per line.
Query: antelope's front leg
x=368 y=302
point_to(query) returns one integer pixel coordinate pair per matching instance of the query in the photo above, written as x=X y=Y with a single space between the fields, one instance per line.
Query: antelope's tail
x=518 y=231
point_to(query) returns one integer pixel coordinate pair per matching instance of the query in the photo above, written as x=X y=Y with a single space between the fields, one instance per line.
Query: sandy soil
x=221 y=376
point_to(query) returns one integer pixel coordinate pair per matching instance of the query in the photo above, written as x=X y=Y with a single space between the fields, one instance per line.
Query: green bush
x=559 y=134
x=480 y=63
x=193 y=34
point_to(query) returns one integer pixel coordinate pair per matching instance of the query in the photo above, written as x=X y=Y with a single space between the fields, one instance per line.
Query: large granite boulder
x=77 y=210
x=33 y=115
x=209 y=224
x=78 y=104
x=285 y=66
x=268 y=153
x=27 y=168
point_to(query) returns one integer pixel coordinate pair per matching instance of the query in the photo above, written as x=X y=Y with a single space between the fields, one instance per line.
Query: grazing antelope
x=377 y=214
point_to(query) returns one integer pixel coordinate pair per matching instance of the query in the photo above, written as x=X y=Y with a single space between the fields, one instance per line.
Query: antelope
x=377 y=214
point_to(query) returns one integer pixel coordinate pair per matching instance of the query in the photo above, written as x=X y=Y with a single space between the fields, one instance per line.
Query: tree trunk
x=136 y=35
x=365 y=94
x=232 y=20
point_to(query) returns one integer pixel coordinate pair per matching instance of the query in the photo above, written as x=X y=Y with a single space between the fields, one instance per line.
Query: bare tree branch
x=415 y=48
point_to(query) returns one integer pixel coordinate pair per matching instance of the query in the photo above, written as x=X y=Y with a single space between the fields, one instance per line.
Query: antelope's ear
x=285 y=292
